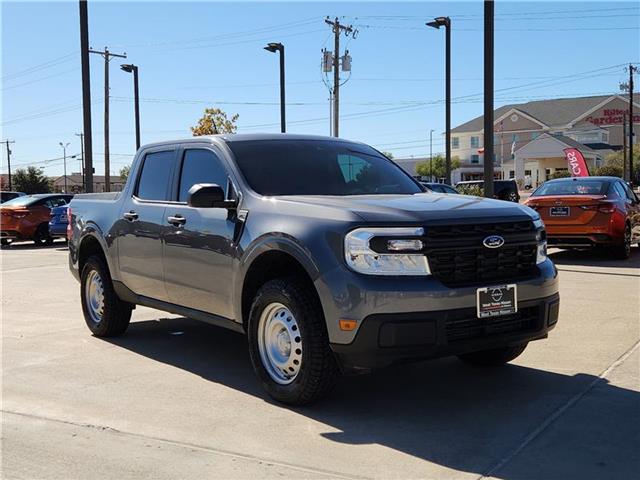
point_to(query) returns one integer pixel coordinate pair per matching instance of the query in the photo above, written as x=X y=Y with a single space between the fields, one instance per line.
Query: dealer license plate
x=559 y=211
x=497 y=301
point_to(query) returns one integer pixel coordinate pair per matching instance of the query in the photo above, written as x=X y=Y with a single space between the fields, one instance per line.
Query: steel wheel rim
x=94 y=296
x=280 y=343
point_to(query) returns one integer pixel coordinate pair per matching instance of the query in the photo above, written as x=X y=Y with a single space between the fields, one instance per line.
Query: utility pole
x=81 y=135
x=107 y=56
x=632 y=70
x=346 y=66
x=86 y=97
x=488 y=98
x=64 y=153
x=7 y=142
x=625 y=168
x=431 y=155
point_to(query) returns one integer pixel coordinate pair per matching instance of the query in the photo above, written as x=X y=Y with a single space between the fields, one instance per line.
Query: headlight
x=542 y=253
x=538 y=223
x=361 y=258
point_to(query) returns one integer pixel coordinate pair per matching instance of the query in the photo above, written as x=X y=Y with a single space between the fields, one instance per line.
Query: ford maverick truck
x=326 y=254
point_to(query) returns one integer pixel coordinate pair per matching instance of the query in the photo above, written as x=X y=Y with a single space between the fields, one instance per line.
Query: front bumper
x=386 y=339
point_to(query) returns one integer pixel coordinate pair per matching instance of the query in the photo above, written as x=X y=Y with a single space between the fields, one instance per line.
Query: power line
x=41 y=66
x=30 y=82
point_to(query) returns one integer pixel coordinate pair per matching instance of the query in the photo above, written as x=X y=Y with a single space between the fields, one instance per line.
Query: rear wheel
x=288 y=342
x=622 y=250
x=105 y=314
x=512 y=197
x=5 y=242
x=494 y=357
x=42 y=237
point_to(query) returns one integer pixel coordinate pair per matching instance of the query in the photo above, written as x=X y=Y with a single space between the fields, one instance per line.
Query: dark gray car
x=324 y=252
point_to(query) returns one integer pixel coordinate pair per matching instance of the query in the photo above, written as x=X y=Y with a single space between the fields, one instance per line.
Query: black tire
x=622 y=251
x=42 y=237
x=5 y=242
x=318 y=370
x=494 y=357
x=116 y=314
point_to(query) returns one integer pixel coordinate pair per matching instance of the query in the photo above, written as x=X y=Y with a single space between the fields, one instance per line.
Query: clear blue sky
x=195 y=55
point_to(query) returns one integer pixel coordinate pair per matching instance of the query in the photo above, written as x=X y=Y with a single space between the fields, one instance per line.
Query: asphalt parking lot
x=174 y=398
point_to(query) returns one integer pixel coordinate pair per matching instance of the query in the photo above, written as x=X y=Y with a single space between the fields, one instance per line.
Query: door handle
x=177 y=220
x=131 y=216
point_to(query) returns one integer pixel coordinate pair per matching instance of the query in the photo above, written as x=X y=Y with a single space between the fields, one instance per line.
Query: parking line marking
x=600 y=273
x=192 y=445
x=555 y=415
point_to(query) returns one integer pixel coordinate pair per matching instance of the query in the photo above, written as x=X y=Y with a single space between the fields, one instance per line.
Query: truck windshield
x=317 y=167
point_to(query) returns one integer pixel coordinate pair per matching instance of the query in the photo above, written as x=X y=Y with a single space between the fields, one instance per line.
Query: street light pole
x=64 y=156
x=278 y=47
x=446 y=23
x=136 y=98
x=488 y=98
x=431 y=155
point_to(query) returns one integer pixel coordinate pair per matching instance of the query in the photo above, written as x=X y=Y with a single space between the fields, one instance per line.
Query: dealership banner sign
x=577 y=163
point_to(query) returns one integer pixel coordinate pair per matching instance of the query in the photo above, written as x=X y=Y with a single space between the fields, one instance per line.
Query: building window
x=475 y=142
x=515 y=138
x=475 y=158
x=455 y=142
x=512 y=174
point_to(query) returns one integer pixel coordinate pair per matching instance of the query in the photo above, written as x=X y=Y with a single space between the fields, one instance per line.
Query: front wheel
x=493 y=357
x=288 y=342
x=105 y=314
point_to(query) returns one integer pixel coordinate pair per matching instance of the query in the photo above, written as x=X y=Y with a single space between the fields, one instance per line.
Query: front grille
x=457 y=256
x=470 y=327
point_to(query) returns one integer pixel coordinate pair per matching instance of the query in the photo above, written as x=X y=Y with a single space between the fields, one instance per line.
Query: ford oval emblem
x=493 y=241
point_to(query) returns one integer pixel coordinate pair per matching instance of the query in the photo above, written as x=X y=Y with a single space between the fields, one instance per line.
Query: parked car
x=327 y=269
x=6 y=196
x=502 y=189
x=27 y=217
x=584 y=212
x=439 y=187
x=58 y=222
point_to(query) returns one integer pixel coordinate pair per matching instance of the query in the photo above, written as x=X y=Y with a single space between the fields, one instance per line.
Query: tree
x=31 y=180
x=614 y=164
x=560 y=174
x=439 y=167
x=215 y=121
x=389 y=155
x=124 y=172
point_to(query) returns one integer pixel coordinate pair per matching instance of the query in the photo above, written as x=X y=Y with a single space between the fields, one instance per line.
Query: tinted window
x=200 y=166
x=448 y=189
x=630 y=194
x=572 y=187
x=55 y=202
x=154 y=179
x=619 y=189
x=318 y=167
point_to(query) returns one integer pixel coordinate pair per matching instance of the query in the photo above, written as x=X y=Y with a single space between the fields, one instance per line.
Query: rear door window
x=155 y=177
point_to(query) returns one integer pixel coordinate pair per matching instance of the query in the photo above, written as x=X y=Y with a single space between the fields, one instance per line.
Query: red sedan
x=27 y=217
x=589 y=212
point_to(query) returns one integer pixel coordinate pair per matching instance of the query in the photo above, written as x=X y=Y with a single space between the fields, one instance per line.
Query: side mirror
x=208 y=195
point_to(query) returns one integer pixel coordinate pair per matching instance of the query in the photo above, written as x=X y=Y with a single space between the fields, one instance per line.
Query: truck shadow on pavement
x=442 y=411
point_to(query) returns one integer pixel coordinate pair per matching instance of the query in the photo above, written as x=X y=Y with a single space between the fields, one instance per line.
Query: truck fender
x=269 y=243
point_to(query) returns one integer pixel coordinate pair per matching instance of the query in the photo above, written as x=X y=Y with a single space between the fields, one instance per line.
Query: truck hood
x=423 y=208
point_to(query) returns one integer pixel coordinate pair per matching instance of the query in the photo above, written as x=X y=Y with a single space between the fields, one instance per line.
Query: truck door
x=199 y=250
x=141 y=224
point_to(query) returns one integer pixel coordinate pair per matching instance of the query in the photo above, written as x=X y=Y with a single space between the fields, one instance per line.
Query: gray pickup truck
x=324 y=252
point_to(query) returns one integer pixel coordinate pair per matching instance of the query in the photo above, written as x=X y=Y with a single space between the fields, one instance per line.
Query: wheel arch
x=268 y=259
x=90 y=244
